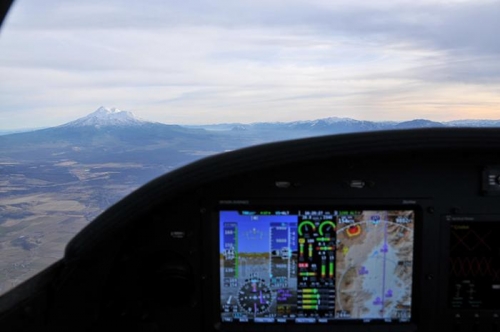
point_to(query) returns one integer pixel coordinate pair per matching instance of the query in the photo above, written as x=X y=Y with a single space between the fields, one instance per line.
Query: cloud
x=208 y=61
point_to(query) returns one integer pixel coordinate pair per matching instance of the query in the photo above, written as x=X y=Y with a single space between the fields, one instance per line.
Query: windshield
x=100 y=97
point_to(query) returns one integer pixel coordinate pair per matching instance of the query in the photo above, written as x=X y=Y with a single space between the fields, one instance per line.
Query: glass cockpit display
x=316 y=265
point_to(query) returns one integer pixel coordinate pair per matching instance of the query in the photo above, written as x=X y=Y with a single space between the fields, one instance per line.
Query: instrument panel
x=398 y=244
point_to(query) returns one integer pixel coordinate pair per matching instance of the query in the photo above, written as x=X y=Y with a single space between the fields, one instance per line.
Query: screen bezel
x=214 y=240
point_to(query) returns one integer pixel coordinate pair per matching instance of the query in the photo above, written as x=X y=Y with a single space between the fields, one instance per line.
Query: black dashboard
x=381 y=231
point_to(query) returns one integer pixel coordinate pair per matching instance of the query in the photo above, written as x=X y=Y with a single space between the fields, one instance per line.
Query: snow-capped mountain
x=111 y=135
x=104 y=117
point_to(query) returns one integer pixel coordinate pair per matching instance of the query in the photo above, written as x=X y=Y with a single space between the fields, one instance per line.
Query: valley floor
x=43 y=206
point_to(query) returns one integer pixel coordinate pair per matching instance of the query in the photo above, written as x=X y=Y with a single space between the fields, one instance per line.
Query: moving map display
x=315 y=265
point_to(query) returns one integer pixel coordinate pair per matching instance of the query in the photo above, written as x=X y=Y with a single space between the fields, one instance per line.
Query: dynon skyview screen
x=316 y=265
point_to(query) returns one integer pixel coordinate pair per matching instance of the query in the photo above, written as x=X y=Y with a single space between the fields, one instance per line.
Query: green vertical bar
x=323 y=270
x=331 y=269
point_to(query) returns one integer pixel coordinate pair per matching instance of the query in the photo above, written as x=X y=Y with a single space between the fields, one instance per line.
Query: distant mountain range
x=113 y=117
x=105 y=117
x=111 y=135
x=335 y=125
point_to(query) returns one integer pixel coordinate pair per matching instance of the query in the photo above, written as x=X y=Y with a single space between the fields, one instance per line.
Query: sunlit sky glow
x=194 y=62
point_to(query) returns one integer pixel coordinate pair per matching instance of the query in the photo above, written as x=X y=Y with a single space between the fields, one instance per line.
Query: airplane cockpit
x=380 y=231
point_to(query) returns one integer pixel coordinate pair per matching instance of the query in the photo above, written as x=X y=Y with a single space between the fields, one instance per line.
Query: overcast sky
x=194 y=62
